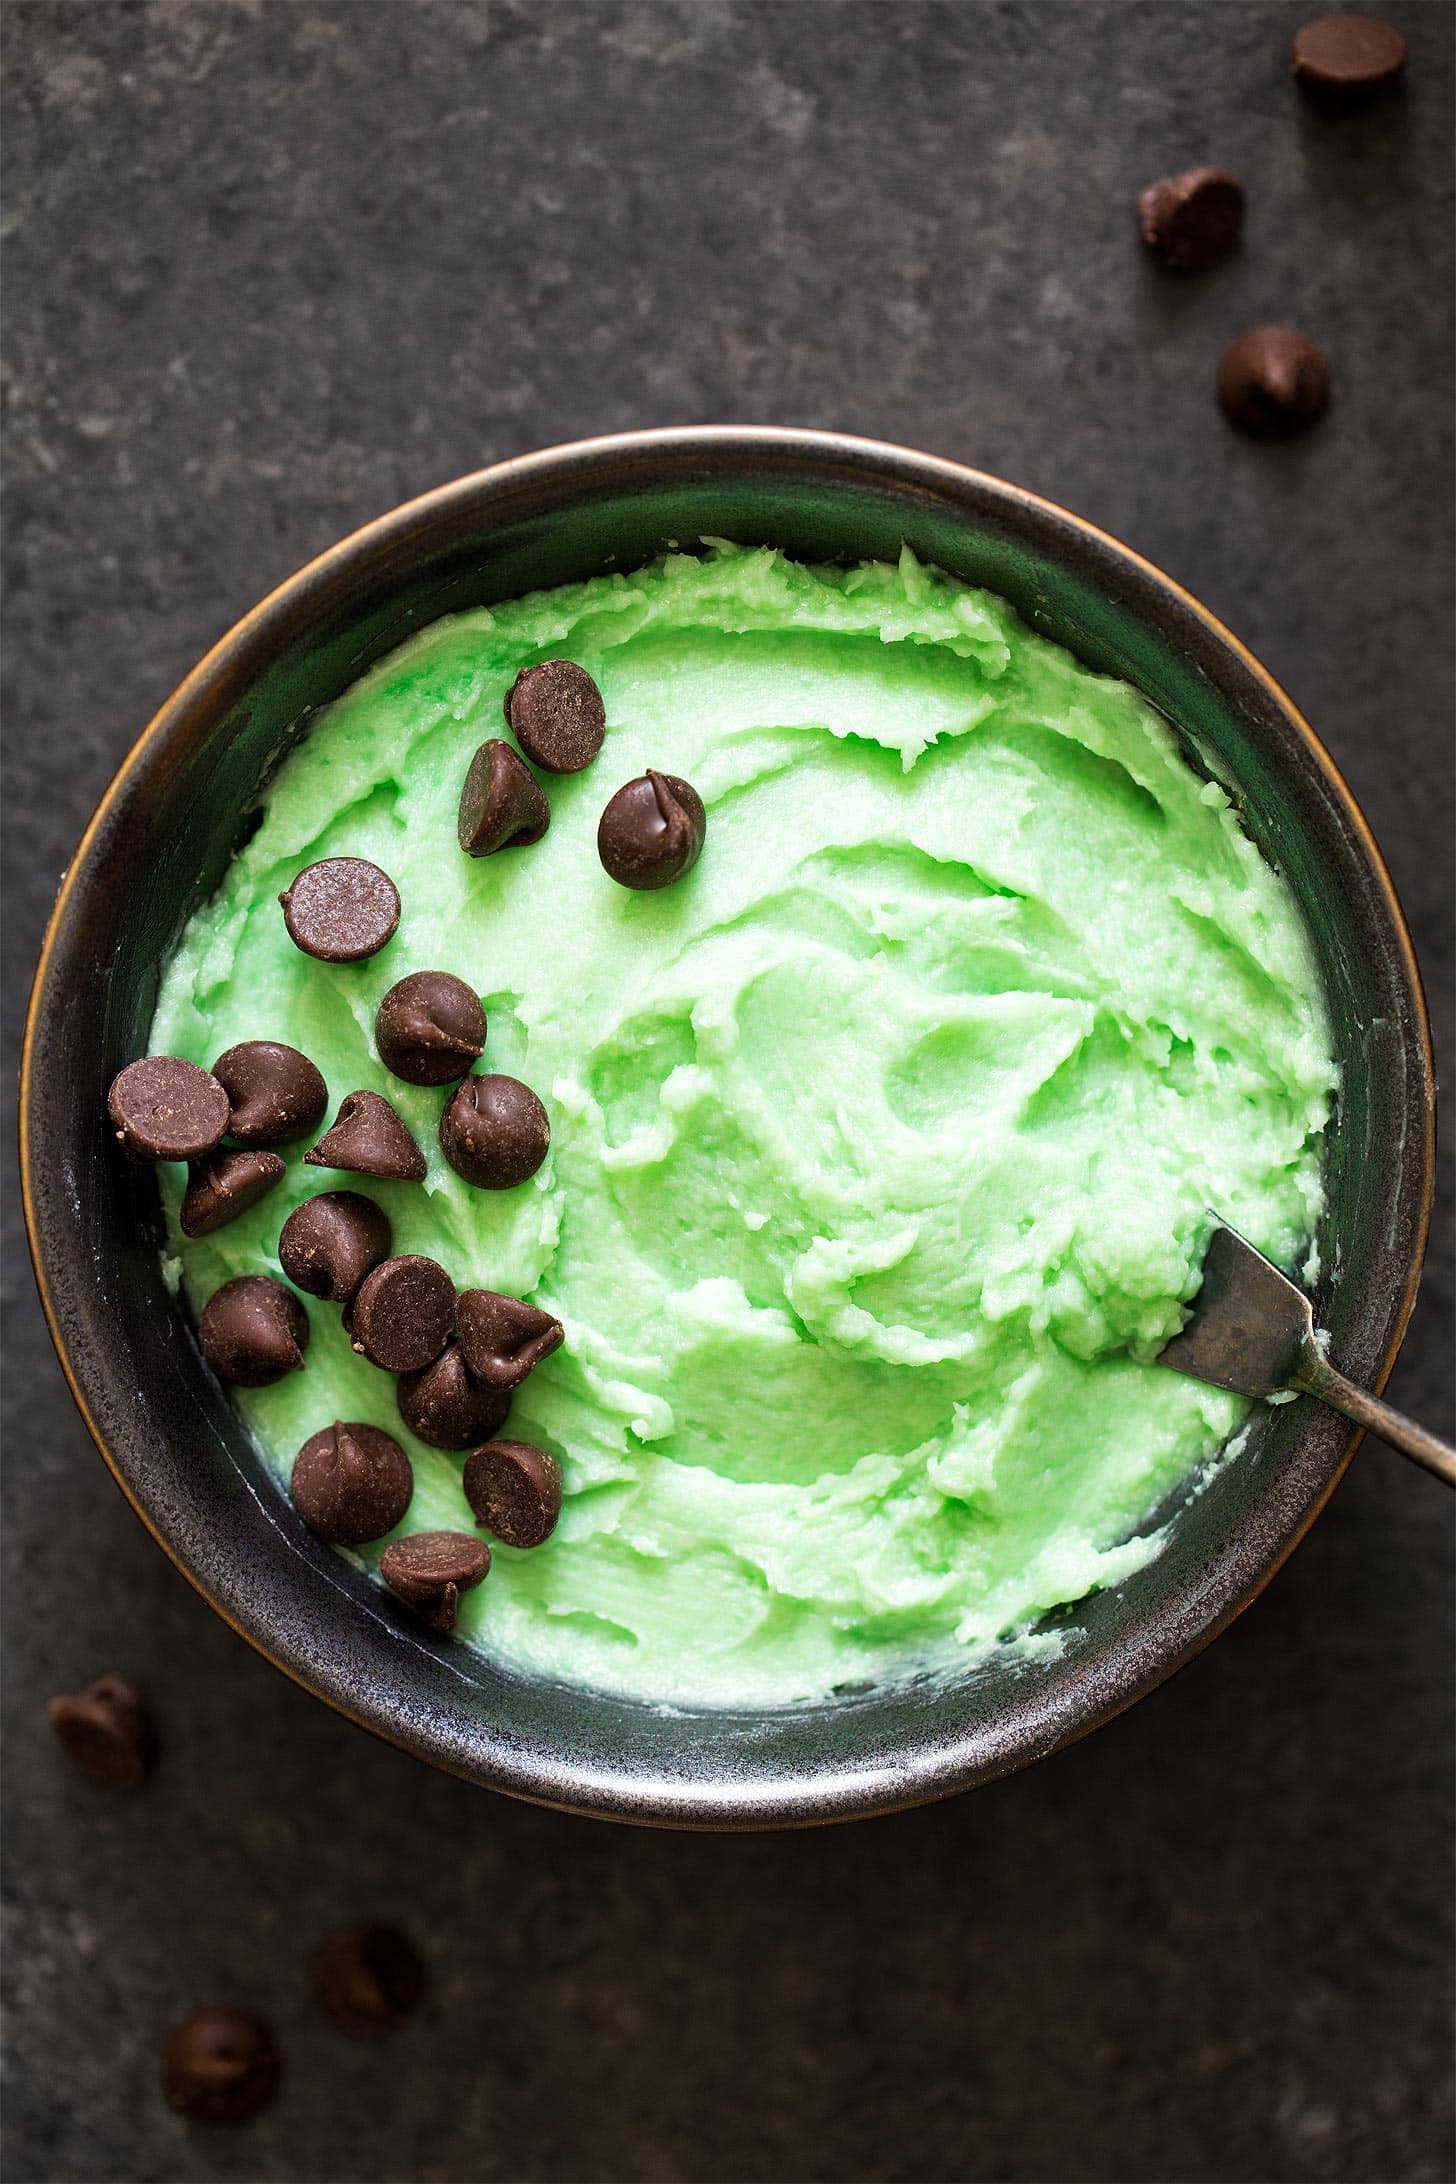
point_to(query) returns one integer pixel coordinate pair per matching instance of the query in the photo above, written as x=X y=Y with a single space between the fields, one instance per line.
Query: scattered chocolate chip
x=105 y=1731
x=514 y=1491
x=430 y=1028
x=369 y=1979
x=341 y=909
x=224 y=1185
x=502 y=805
x=494 y=1132
x=1344 y=58
x=1274 y=382
x=166 y=1109
x=446 y=1408
x=331 y=1242
x=1192 y=220
x=276 y=1093
x=253 y=1331
x=404 y=1314
x=220 y=2066
x=503 y=1338
x=556 y=714
x=369 y=1138
x=652 y=831
x=351 y=1483
x=430 y=1570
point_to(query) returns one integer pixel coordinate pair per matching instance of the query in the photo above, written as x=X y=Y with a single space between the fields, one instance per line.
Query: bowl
x=158 y=846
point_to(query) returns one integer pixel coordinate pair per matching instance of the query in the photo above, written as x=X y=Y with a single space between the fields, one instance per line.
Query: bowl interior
x=159 y=847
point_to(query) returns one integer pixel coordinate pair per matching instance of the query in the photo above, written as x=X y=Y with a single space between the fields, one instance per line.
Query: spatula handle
x=1316 y=1376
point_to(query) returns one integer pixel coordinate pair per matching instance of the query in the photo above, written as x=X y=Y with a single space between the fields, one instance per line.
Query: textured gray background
x=273 y=267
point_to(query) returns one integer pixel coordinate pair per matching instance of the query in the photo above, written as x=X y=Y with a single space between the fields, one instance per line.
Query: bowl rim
x=319 y=577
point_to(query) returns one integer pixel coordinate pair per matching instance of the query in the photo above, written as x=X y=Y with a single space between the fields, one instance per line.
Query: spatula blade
x=1248 y=1322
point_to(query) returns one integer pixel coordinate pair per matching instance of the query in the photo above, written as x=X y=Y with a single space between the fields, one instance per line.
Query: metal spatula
x=1253 y=1331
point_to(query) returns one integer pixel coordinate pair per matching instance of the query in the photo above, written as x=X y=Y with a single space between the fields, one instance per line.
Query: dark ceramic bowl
x=158 y=847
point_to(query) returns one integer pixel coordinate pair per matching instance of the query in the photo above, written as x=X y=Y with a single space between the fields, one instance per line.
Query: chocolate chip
x=166 y=1109
x=503 y=1337
x=253 y=1331
x=341 y=909
x=369 y=1979
x=502 y=805
x=430 y=1570
x=652 y=831
x=330 y=1243
x=105 y=1731
x=404 y=1314
x=446 y=1408
x=351 y=1483
x=276 y=1093
x=220 y=2066
x=494 y=1132
x=1274 y=382
x=1192 y=220
x=1344 y=58
x=514 y=1490
x=369 y=1138
x=556 y=714
x=224 y=1185
x=430 y=1028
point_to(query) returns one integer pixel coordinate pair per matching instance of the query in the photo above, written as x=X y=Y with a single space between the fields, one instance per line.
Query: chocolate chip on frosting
x=369 y=1138
x=429 y=1028
x=514 y=1490
x=1192 y=220
x=105 y=1731
x=503 y=1338
x=446 y=1407
x=404 y=1314
x=331 y=1242
x=225 y=1184
x=494 y=1132
x=275 y=1092
x=502 y=805
x=556 y=714
x=253 y=1331
x=351 y=1483
x=652 y=831
x=163 y=1108
x=1273 y=382
x=220 y=2066
x=341 y=909
x=430 y=1570
x=1342 y=59
x=369 y=1978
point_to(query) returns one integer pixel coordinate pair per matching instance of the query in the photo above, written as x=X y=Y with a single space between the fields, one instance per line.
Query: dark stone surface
x=273 y=267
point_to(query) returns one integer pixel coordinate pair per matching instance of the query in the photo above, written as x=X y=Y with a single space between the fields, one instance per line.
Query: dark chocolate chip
x=369 y=1138
x=652 y=831
x=253 y=1331
x=1192 y=220
x=105 y=1731
x=503 y=1337
x=556 y=715
x=341 y=909
x=1274 y=382
x=1342 y=59
x=369 y=1979
x=430 y=1570
x=220 y=2066
x=351 y=1483
x=502 y=805
x=276 y=1093
x=224 y=1185
x=166 y=1109
x=446 y=1408
x=331 y=1242
x=404 y=1314
x=429 y=1028
x=494 y=1132
x=514 y=1491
